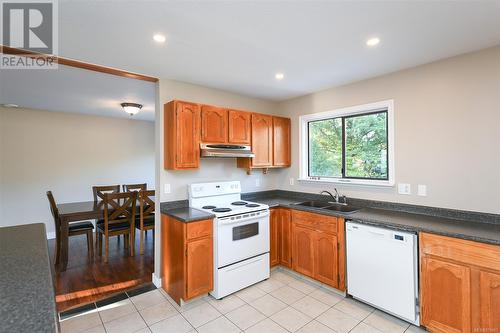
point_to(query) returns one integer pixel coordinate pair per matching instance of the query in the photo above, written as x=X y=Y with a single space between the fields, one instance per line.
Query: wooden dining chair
x=99 y=191
x=134 y=187
x=146 y=220
x=75 y=229
x=119 y=219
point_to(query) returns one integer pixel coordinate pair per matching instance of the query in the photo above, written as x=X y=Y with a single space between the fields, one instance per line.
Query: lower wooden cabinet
x=285 y=237
x=274 y=258
x=280 y=237
x=186 y=258
x=318 y=247
x=459 y=285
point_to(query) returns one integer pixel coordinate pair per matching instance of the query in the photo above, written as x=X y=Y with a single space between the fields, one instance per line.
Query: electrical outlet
x=422 y=190
x=166 y=188
x=257 y=182
x=291 y=181
x=404 y=189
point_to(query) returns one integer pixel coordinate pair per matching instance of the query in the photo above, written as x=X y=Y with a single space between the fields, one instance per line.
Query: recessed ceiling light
x=131 y=108
x=159 y=38
x=373 y=41
x=279 y=76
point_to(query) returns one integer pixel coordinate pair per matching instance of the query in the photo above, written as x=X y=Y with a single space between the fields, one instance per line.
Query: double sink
x=332 y=206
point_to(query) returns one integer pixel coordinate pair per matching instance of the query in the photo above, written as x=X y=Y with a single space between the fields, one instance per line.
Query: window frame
x=387 y=106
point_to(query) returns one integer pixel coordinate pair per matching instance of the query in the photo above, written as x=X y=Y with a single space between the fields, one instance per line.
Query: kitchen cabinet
x=214 y=124
x=285 y=237
x=239 y=127
x=181 y=135
x=273 y=236
x=281 y=142
x=281 y=237
x=303 y=251
x=186 y=258
x=460 y=285
x=318 y=248
x=262 y=140
x=271 y=143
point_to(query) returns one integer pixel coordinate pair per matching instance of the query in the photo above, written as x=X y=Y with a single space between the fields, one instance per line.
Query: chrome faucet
x=336 y=197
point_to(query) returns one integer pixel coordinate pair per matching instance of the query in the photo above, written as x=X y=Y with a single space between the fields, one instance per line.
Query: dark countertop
x=27 y=302
x=469 y=225
x=186 y=214
x=471 y=230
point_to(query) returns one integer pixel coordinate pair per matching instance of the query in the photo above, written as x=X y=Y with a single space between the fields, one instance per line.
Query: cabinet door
x=213 y=124
x=273 y=226
x=239 y=127
x=445 y=290
x=489 y=295
x=188 y=135
x=262 y=140
x=199 y=267
x=285 y=233
x=281 y=143
x=326 y=258
x=302 y=258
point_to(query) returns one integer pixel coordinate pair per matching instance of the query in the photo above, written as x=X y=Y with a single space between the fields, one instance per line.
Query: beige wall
x=447 y=125
x=66 y=153
x=210 y=169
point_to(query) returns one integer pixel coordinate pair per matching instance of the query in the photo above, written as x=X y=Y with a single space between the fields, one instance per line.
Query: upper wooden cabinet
x=271 y=143
x=262 y=140
x=281 y=142
x=459 y=285
x=239 y=127
x=318 y=248
x=214 y=124
x=182 y=135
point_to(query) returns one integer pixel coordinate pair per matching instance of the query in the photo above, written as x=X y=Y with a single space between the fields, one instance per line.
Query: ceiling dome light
x=159 y=38
x=279 y=76
x=131 y=108
x=373 y=41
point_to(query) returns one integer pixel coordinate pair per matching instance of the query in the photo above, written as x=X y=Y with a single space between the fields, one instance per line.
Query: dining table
x=79 y=211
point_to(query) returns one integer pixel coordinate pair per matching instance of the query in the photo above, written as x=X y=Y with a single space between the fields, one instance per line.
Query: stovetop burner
x=239 y=203
x=221 y=210
x=252 y=205
x=208 y=207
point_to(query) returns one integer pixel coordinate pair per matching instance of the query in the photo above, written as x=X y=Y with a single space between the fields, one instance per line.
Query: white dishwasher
x=382 y=269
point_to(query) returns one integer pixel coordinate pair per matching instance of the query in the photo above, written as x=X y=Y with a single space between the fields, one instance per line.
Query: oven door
x=242 y=236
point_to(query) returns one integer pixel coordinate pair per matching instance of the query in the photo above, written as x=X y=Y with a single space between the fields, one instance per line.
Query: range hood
x=225 y=150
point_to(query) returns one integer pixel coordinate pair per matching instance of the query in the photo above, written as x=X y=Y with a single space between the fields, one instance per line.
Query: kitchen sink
x=329 y=206
x=315 y=204
x=342 y=208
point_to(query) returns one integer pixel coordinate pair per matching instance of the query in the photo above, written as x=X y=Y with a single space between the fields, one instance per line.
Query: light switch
x=291 y=181
x=404 y=189
x=166 y=188
x=422 y=190
x=257 y=182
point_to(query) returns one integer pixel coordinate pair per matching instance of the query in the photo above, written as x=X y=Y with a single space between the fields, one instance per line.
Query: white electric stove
x=241 y=235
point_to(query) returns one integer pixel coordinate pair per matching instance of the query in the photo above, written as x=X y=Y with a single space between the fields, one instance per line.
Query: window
x=352 y=145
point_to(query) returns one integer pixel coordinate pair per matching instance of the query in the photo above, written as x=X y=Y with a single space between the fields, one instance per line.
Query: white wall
x=67 y=154
x=210 y=169
x=447 y=125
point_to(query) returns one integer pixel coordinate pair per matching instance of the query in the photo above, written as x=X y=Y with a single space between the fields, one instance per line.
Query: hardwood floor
x=86 y=280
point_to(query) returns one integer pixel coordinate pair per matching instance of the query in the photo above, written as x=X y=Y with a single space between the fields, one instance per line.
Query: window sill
x=356 y=182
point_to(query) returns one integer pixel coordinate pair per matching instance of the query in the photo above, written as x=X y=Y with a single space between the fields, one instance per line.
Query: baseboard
x=51 y=235
x=156 y=280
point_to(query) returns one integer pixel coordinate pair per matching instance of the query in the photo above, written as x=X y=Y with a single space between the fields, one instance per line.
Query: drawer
x=315 y=221
x=199 y=229
x=460 y=250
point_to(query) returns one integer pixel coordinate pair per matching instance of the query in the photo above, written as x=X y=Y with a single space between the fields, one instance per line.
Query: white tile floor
x=284 y=303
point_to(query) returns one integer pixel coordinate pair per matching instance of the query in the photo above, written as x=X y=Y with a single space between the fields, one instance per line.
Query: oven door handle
x=249 y=217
